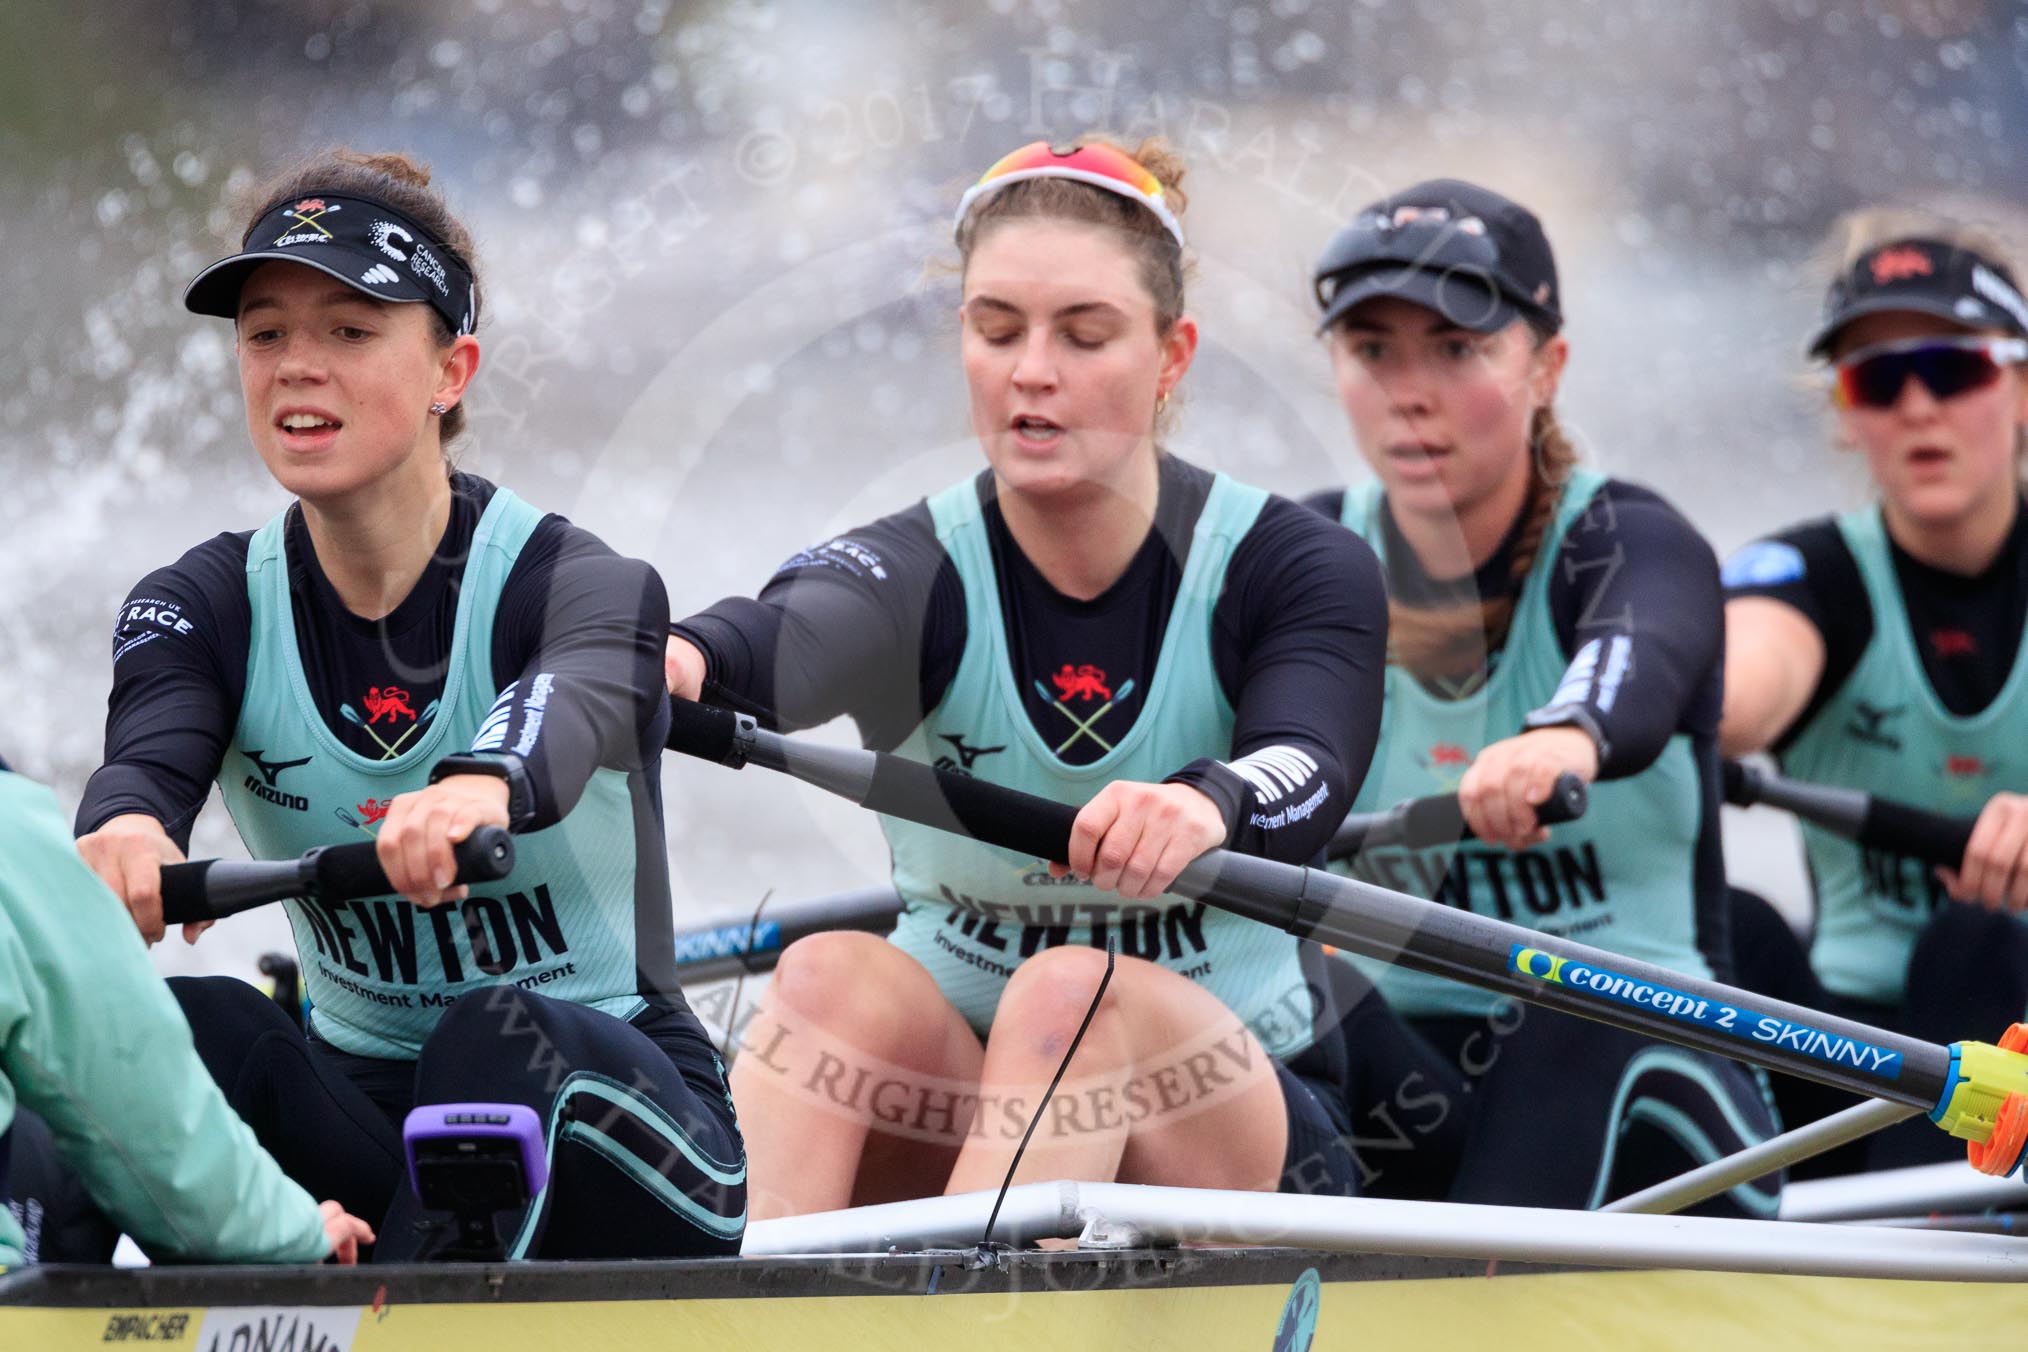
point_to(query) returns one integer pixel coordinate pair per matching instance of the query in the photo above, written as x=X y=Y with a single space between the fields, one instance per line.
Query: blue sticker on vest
x=1553 y=969
x=1766 y=563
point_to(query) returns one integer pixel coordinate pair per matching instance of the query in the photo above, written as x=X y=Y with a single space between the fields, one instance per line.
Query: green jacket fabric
x=92 y=1040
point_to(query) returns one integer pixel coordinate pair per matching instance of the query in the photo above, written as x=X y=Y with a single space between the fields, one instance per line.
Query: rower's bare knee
x=857 y=987
x=1047 y=997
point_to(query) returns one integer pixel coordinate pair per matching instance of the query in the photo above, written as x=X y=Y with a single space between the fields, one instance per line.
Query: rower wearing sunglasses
x=1193 y=661
x=1882 y=650
x=1545 y=620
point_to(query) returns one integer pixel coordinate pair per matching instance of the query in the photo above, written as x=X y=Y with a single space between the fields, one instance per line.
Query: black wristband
x=1570 y=716
x=500 y=765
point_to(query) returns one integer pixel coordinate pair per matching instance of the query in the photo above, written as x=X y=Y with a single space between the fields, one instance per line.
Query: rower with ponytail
x=1544 y=620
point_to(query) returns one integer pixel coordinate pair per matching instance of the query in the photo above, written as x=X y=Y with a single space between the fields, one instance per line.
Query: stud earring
x=440 y=408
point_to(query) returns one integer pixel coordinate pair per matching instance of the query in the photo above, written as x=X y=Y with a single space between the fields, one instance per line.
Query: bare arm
x=1774 y=658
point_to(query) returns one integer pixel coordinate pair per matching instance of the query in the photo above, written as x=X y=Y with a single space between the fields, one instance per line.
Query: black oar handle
x=208 y=889
x=1877 y=823
x=1438 y=820
x=1039 y=827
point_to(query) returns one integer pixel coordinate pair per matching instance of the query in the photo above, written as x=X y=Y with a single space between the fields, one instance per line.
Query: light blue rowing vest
x=1621 y=878
x=381 y=971
x=974 y=911
x=1886 y=732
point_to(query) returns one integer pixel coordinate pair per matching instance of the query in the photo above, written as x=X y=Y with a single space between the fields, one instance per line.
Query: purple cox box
x=484 y=1121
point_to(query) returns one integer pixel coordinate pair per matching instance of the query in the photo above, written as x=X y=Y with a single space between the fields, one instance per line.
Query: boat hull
x=1253 y=1298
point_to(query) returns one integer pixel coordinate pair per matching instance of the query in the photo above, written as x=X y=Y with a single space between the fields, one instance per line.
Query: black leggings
x=1529 y=1107
x=644 y=1152
x=1967 y=980
x=48 y=1198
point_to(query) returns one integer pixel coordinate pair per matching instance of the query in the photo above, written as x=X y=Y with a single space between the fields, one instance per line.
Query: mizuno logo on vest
x=1868 y=725
x=271 y=770
x=264 y=787
x=966 y=754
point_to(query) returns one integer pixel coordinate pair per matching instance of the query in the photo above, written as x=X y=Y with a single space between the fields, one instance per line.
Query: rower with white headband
x=1195 y=662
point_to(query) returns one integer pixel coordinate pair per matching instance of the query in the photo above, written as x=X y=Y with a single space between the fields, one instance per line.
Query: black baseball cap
x=1464 y=251
x=366 y=244
x=1930 y=277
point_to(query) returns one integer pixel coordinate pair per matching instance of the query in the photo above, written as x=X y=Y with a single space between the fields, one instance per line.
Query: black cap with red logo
x=1464 y=251
x=365 y=244
x=1927 y=276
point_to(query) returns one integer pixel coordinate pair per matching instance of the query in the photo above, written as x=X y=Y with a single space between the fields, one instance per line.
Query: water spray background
x=712 y=337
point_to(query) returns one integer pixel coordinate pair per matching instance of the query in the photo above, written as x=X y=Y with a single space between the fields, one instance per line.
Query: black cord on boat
x=1047 y=1098
x=739 y=986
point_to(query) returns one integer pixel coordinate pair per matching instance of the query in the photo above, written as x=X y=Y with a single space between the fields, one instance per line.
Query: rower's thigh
x=1201 y=1099
x=849 y=1018
x=58 y=1218
x=1967 y=980
x=321 y=1128
x=857 y=1032
x=1967 y=976
x=645 y=1156
x=1575 y=1113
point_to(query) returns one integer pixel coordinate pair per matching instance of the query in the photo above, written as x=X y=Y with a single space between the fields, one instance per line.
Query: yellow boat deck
x=1276 y=1300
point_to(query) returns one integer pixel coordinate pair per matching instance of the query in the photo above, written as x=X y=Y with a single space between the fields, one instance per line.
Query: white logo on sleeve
x=1274 y=771
x=492 y=734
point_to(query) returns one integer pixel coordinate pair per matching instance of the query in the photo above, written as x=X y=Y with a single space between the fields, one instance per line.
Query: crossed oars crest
x=1083 y=727
x=308 y=211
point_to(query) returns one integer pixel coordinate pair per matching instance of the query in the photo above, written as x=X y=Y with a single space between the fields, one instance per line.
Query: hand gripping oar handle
x=211 y=888
x=1962 y=1086
x=1439 y=820
x=1877 y=823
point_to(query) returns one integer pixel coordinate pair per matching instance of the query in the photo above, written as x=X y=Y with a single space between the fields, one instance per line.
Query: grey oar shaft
x=1792 y=1147
x=1392 y=927
x=751 y=945
x=1487 y=953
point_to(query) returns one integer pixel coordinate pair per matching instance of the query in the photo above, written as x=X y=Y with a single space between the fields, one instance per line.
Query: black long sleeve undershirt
x=1635 y=600
x=873 y=624
x=578 y=636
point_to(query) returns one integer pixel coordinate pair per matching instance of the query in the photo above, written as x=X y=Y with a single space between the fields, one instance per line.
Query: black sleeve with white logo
x=180 y=646
x=1299 y=639
x=577 y=654
x=1810 y=568
x=1636 y=603
x=870 y=624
